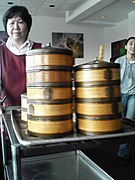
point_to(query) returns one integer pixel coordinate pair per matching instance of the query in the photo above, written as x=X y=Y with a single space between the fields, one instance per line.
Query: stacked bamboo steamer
x=49 y=94
x=98 y=97
x=49 y=91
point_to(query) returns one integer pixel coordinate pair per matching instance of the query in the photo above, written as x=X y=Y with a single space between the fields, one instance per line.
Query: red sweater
x=13 y=75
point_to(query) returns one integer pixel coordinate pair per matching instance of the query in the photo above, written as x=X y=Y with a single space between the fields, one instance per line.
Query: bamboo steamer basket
x=52 y=93
x=24 y=107
x=46 y=118
x=49 y=91
x=98 y=98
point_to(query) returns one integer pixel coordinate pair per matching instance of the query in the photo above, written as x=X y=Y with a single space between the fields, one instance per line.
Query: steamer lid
x=97 y=64
x=50 y=50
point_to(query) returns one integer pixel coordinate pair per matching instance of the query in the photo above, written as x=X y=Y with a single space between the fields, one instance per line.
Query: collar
x=26 y=46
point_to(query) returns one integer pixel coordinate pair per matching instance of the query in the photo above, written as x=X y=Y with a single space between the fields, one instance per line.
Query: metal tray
x=52 y=167
x=25 y=139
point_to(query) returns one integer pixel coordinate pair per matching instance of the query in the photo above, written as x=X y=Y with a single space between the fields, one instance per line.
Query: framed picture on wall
x=118 y=49
x=73 y=41
x=3 y=37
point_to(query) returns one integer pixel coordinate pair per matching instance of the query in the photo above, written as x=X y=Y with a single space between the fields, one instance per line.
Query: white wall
x=113 y=34
x=43 y=27
x=1 y=24
x=123 y=30
x=131 y=24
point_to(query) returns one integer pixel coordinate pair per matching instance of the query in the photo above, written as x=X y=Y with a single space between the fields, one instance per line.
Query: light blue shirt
x=127 y=75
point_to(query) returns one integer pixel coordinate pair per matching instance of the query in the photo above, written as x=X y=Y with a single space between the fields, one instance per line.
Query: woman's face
x=130 y=47
x=17 y=29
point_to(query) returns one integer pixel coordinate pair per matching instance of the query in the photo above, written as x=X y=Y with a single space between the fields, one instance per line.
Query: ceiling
x=77 y=11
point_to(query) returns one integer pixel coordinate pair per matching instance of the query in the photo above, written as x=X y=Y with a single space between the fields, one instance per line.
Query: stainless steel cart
x=48 y=158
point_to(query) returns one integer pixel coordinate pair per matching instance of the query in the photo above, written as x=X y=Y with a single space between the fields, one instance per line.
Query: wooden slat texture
x=49 y=127
x=49 y=59
x=101 y=126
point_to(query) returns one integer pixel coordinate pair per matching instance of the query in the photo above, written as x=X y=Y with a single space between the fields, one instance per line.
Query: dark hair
x=20 y=11
x=133 y=37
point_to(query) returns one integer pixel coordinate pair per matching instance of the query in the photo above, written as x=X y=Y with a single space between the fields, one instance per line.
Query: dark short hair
x=20 y=11
x=132 y=37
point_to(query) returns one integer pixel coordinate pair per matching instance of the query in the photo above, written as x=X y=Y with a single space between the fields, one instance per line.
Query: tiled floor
x=105 y=156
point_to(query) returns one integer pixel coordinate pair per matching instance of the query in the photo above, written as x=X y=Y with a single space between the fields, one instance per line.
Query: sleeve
x=117 y=61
